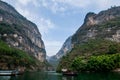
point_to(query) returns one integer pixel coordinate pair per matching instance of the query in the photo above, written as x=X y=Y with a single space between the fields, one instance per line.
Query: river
x=57 y=76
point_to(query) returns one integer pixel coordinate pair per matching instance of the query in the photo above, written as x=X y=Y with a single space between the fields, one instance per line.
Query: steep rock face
x=20 y=33
x=92 y=18
x=67 y=46
x=102 y=25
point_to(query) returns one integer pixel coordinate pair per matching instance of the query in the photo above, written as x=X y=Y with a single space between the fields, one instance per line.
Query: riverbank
x=116 y=70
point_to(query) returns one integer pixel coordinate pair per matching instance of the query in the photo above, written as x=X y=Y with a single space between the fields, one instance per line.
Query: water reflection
x=99 y=76
x=68 y=78
x=57 y=76
x=5 y=77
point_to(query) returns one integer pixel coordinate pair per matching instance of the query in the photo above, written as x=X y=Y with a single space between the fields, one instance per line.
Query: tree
x=113 y=49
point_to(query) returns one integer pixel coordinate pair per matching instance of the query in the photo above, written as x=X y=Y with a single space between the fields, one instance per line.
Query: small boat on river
x=9 y=72
x=69 y=73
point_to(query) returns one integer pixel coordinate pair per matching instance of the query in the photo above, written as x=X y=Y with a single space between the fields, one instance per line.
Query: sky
x=58 y=19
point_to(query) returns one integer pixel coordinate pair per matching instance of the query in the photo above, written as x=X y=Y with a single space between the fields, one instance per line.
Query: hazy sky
x=58 y=19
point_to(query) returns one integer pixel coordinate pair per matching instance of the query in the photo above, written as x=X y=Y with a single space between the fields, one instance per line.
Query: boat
x=9 y=72
x=68 y=72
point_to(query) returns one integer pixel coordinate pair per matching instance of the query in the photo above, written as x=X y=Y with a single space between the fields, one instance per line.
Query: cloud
x=23 y=11
x=75 y=3
x=52 y=5
x=103 y=4
x=61 y=6
x=57 y=6
x=27 y=2
x=24 y=2
x=45 y=25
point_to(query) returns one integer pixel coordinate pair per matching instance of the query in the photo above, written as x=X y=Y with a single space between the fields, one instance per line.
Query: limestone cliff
x=99 y=35
x=20 y=33
x=101 y=25
x=67 y=46
x=104 y=25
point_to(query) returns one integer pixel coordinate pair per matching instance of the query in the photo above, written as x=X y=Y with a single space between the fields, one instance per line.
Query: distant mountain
x=67 y=46
x=104 y=25
x=20 y=33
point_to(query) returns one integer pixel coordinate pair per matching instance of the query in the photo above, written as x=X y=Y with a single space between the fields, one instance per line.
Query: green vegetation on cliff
x=82 y=56
x=5 y=28
x=96 y=63
x=11 y=58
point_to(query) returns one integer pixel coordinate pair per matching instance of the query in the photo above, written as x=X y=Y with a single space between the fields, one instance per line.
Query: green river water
x=57 y=76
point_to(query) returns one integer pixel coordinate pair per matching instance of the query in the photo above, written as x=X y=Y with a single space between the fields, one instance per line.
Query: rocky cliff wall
x=20 y=33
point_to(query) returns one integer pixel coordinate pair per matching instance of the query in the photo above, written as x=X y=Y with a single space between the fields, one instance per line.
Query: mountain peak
x=93 y=19
x=89 y=19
